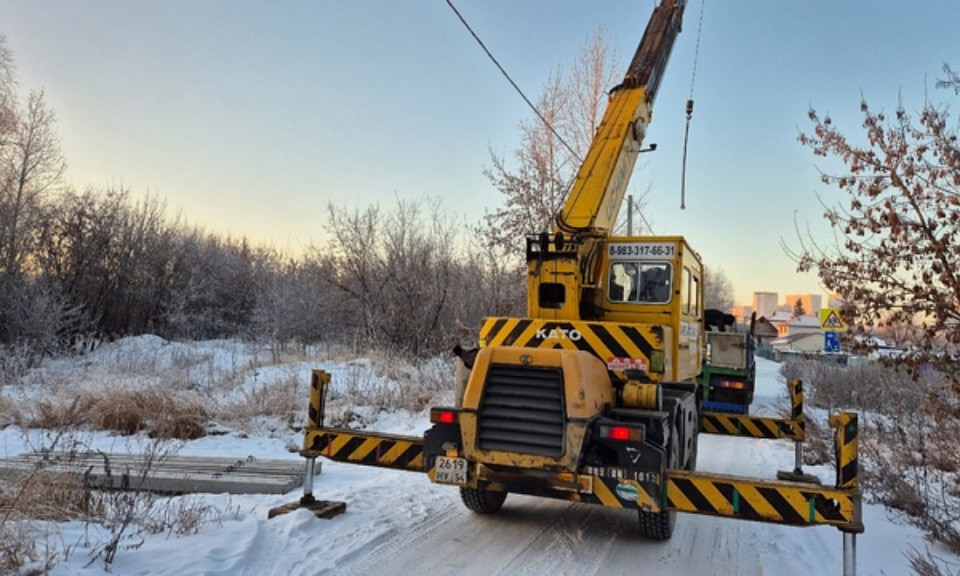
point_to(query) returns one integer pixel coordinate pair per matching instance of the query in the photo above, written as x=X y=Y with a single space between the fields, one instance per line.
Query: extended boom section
x=601 y=183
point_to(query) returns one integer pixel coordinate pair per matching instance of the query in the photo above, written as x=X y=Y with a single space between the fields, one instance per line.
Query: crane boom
x=594 y=201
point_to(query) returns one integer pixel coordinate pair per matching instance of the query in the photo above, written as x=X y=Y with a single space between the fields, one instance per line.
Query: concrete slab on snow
x=169 y=474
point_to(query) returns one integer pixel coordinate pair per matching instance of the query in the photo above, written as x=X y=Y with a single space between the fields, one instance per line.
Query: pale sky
x=248 y=117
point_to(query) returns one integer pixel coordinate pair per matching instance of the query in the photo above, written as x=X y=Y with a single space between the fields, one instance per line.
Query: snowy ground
x=400 y=523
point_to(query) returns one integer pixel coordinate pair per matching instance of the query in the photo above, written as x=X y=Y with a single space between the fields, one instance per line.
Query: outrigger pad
x=320 y=508
x=796 y=476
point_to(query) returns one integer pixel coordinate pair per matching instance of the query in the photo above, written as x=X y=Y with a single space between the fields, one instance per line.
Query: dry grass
x=45 y=496
x=121 y=411
x=26 y=544
x=28 y=507
x=29 y=504
x=280 y=398
x=157 y=412
x=59 y=414
x=928 y=564
x=9 y=412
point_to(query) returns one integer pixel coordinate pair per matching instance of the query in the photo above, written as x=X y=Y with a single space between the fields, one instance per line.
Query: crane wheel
x=659 y=525
x=481 y=500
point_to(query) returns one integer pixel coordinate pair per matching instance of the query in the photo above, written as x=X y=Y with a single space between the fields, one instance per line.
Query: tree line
x=99 y=265
x=81 y=266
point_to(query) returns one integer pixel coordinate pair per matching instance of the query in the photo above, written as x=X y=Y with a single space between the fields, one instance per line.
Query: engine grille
x=522 y=410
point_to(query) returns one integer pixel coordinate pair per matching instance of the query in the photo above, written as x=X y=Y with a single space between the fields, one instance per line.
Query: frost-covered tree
x=535 y=182
x=398 y=271
x=717 y=290
x=31 y=167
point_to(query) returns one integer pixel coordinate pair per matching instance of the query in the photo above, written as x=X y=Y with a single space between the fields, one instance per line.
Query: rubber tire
x=659 y=525
x=481 y=500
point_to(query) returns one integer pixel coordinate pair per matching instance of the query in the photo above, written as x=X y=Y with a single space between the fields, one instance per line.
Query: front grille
x=522 y=410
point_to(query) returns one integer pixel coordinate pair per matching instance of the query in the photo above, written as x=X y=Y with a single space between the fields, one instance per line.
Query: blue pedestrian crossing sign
x=831 y=342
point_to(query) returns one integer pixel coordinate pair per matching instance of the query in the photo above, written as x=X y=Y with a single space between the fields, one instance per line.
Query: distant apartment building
x=765 y=303
x=811 y=303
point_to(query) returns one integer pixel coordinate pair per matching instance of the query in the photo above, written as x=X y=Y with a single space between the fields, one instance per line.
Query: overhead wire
x=512 y=83
x=686 y=131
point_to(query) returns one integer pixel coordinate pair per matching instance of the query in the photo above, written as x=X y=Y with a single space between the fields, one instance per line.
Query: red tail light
x=622 y=433
x=443 y=416
x=734 y=384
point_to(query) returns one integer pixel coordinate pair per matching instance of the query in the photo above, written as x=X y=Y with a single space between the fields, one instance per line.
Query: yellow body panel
x=586 y=383
x=586 y=390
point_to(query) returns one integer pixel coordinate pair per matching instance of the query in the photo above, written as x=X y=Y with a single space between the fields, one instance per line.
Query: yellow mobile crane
x=601 y=373
x=594 y=395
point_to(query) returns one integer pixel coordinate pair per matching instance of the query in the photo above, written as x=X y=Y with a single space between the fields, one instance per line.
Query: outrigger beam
x=770 y=501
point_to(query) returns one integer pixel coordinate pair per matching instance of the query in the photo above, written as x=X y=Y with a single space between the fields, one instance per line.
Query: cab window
x=694 y=296
x=691 y=293
x=641 y=282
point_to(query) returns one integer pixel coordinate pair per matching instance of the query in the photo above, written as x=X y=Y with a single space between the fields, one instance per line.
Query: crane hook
x=683 y=172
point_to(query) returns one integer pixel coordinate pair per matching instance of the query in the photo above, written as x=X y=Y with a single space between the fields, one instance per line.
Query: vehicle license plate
x=451 y=470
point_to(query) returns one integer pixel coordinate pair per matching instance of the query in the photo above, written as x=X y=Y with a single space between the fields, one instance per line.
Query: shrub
x=908 y=451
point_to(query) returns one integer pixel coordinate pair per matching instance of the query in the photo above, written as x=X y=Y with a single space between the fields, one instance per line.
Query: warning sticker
x=621 y=364
x=830 y=319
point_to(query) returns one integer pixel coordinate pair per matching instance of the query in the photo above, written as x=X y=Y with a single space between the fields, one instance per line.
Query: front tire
x=481 y=500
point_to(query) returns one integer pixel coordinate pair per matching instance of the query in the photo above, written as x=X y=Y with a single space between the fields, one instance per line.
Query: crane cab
x=656 y=280
x=648 y=283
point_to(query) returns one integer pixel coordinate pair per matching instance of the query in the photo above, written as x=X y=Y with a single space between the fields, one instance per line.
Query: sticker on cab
x=621 y=364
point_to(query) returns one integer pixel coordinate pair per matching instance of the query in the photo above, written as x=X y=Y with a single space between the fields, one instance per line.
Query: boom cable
x=686 y=131
x=514 y=84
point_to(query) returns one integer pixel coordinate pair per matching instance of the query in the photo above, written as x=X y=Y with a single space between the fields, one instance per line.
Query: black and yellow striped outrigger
x=780 y=502
x=792 y=428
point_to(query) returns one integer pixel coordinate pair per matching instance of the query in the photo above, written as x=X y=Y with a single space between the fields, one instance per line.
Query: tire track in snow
x=451 y=540
x=579 y=540
x=381 y=552
x=529 y=536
